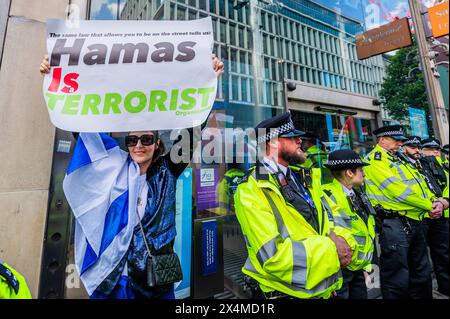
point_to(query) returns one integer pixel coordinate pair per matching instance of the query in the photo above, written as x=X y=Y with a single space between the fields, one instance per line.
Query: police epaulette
x=377 y=156
x=10 y=278
x=244 y=179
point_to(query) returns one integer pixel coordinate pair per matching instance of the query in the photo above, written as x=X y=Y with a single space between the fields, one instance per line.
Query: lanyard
x=306 y=196
x=300 y=190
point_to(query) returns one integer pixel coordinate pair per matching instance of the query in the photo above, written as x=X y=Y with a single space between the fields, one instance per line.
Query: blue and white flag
x=101 y=186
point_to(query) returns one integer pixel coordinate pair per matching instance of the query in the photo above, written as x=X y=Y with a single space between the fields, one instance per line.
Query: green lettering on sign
x=112 y=101
x=129 y=107
x=190 y=101
x=53 y=99
x=205 y=92
x=157 y=98
x=71 y=105
x=90 y=103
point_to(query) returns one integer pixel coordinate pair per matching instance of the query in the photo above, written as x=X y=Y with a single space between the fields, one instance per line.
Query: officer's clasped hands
x=343 y=249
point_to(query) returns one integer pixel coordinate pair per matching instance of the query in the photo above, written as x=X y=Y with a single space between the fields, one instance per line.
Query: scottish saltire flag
x=101 y=186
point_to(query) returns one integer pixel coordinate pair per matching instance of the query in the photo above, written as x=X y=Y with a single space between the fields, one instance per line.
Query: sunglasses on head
x=146 y=140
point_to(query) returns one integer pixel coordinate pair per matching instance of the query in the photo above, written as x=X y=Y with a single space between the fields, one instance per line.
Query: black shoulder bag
x=161 y=269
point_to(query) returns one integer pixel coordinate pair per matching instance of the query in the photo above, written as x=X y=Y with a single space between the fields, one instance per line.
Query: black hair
x=161 y=148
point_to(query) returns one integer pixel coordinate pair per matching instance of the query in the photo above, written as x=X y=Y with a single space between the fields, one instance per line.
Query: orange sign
x=388 y=37
x=439 y=19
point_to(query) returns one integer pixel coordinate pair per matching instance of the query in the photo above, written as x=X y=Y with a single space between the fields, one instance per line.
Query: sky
x=373 y=12
x=105 y=9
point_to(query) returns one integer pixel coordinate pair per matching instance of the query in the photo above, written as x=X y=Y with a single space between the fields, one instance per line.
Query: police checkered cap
x=344 y=159
x=431 y=143
x=274 y=127
x=412 y=141
x=275 y=132
x=390 y=133
x=394 y=131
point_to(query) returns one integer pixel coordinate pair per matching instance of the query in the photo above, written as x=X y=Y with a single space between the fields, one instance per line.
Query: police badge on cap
x=277 y=126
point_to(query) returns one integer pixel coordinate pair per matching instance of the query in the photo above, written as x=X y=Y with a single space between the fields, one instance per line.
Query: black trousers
x=405 y=270
x=353 y=286
x=436 y=234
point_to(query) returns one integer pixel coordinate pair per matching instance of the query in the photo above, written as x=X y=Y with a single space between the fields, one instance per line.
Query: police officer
x=400 y=203
x=445 y=159
x=291 y=250
x=227 y=187
x=316 y=157
x=437 y=230
x=12 y=284
x=411 y=154
x=356 y=214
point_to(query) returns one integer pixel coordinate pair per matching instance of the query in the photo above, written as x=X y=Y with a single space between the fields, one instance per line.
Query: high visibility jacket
x=362 y=234
x=445 y=192
x=315 y=157
x=394 y=185
x=12 y=284
x=285 y=253
x=227 y=187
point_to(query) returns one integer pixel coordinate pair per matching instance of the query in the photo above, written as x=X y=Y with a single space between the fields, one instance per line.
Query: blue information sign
x=418 y=120
x=209 y=247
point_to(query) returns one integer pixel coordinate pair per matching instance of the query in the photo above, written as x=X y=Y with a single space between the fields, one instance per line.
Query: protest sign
x=119 y=76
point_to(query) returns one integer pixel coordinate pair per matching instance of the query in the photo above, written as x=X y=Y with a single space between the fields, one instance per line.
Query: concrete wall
x=26 y=136
x=326 y=96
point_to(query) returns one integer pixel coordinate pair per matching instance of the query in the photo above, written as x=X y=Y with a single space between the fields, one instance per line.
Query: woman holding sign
x=116 y=198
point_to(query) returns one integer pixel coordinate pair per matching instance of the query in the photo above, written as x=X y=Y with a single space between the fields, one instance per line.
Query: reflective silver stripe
x=406 y=181
x=364 y=256
x=404 y=195
x=332 y=197
x=361 y=240
x=246 y=241
x=408 y=191
x=341 y=222
x=321 y=286
x=300 y=264
x=267 y=251
x=388 y=181
x=378 y=197
x=328 y=209
x=369 y=182
x=249 y=266
x=280 y=224
x=410 y=182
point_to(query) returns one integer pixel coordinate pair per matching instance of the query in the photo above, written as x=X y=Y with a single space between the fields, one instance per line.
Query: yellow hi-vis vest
x=396 y=186
x=445 y=192
x=12 y=284
x=362 y=235
x=315 y=157
x=226 y=189
x=285 y=253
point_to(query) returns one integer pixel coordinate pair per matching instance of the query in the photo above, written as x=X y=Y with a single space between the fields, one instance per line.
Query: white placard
x=119 y=76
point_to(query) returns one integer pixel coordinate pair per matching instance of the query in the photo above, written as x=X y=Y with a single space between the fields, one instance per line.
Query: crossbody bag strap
x=143 y=235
